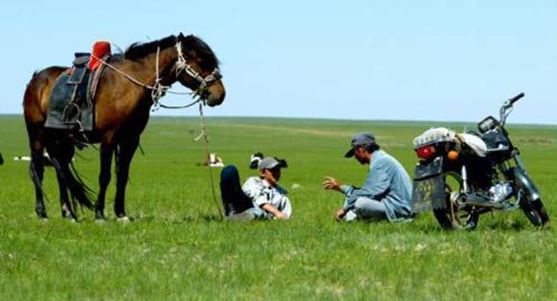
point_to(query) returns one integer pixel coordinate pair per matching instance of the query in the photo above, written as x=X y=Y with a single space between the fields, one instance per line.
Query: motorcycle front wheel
x=534 y=211
x=453 y=216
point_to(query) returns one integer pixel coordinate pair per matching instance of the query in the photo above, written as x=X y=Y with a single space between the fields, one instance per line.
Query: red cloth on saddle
x=100 y=49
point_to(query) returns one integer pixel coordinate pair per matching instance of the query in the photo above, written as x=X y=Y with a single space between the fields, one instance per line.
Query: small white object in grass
x=22 y=158
x=296 y=186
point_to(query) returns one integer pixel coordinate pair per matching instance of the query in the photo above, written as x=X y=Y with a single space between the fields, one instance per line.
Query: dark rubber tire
x=452 y=217
x=535 y=212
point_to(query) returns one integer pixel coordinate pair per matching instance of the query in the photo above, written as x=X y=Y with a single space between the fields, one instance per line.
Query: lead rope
x=158 y=90
x=208 y=153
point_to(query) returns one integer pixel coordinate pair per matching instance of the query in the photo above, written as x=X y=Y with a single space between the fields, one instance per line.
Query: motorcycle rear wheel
x=534 y=211
x=453 y=216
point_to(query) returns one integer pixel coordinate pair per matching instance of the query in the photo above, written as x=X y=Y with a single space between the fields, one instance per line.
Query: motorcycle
x=461 y=176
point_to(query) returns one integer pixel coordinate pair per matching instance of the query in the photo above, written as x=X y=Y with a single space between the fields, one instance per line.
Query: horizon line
x=332 y=119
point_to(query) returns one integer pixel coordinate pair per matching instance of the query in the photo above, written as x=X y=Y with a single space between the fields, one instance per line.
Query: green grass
x=177 y=248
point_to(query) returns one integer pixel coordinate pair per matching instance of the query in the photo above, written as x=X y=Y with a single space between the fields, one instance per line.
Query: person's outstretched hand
x=331 y=183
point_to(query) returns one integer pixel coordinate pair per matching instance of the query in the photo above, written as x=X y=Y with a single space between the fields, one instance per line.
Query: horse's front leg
x=124 y=158
x=107 y=150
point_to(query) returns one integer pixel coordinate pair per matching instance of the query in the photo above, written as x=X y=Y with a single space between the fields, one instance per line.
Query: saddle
x=71 y=102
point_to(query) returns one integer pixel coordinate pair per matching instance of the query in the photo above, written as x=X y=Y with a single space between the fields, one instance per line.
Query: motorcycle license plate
x=429 y=187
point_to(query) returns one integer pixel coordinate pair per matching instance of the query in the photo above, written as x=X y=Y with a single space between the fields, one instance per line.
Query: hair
x=139 y=50
x=371 y=147
x=189 y=43
x=192 y=42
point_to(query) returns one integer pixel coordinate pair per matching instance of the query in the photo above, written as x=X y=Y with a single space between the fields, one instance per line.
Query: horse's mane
x=138 y=50
x=201 y=48
x=190 y=42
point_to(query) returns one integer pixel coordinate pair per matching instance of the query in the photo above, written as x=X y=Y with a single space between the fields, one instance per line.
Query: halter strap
x=182 y=65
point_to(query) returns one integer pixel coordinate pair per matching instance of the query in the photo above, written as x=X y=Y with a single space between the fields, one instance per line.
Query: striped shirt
x=262 y=193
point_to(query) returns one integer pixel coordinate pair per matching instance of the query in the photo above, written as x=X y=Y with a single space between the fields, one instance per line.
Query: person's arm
x=274 y=211
x=331 y=183
x=375 y=186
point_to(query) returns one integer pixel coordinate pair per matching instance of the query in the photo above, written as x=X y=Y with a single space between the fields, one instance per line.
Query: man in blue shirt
x=387 y=190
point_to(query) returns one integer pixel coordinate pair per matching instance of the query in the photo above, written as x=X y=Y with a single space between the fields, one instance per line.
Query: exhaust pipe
x=479 y=201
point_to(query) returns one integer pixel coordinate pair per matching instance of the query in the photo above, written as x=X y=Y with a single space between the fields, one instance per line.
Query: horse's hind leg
x=58 y=155
x=65 y=204
x=36 y=171
x=62 y=153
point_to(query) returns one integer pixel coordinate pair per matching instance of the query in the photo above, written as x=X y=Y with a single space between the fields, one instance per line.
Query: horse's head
x=197 y=69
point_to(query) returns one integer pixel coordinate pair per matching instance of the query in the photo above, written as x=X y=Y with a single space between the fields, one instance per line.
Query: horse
x=124 y=97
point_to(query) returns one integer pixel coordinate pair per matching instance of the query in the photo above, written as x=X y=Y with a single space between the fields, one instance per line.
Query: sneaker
x=350 y=216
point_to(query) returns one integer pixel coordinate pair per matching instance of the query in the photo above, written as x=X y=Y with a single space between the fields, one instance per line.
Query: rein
x=208 y=153
x=158 y=90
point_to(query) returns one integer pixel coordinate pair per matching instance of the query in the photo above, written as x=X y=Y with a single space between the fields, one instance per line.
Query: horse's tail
x=79 y=190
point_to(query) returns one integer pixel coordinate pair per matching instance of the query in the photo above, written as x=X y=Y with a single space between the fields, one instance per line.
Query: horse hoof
x=99 y=216
x=69 y=215
x=123 y=219
x=42 y=214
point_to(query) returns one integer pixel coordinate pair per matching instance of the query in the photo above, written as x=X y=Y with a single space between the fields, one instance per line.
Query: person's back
x=398 y=198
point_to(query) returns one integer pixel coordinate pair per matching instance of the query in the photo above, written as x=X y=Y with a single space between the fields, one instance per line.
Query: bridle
x=182 y=65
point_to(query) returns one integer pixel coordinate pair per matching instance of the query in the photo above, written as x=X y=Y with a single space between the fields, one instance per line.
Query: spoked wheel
x=534 y=211
x=455 y=217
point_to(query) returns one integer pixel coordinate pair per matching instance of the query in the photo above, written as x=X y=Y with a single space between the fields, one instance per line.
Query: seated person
x=260 y=197
x=387 y=190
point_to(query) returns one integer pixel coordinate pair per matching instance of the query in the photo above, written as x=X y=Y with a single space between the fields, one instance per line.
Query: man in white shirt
x=260 y=197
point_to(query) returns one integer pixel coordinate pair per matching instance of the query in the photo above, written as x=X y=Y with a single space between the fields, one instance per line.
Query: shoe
x=350 y=216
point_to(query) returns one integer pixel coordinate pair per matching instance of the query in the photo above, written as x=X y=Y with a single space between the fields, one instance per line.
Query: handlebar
x=508 y=107
x=516 y=98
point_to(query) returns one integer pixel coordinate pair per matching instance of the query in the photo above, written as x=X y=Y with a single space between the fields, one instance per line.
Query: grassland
x=177 y=248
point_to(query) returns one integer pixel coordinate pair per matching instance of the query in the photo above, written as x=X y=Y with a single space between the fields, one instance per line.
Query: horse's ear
x=181 y=36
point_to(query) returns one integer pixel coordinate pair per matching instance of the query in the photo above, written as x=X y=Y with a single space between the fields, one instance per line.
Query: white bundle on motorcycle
x=433 y=136
x=475 y=143
x=441 y=134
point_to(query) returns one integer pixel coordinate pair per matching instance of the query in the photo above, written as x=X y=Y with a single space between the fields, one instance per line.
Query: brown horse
x=122 y=105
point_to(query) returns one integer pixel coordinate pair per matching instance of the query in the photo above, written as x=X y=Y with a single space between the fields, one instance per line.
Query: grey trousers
x=366 y=208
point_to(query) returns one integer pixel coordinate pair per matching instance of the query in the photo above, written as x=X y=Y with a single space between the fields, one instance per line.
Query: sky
x=365 y=60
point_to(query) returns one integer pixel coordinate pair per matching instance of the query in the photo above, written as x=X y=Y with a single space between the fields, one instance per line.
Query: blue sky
x=399 y=60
